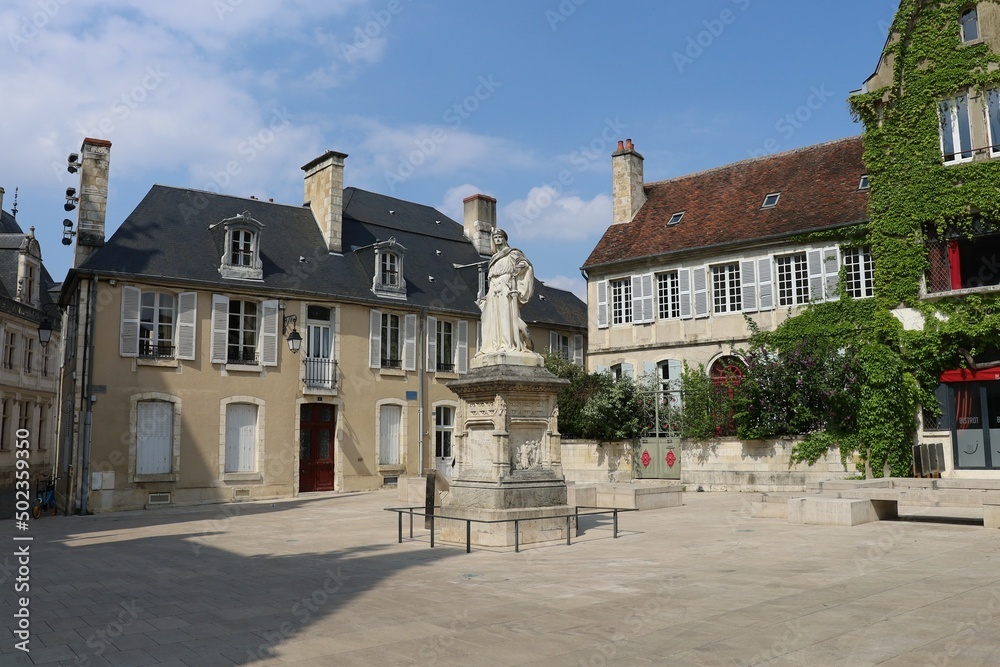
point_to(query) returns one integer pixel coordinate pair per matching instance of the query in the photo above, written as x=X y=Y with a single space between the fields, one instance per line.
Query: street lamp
x=44 y=332
x=294 y=338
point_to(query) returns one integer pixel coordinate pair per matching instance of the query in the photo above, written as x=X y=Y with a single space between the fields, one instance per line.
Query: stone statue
x=510 y=283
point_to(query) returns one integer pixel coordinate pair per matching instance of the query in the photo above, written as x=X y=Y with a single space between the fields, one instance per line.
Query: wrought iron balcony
x=320 y=373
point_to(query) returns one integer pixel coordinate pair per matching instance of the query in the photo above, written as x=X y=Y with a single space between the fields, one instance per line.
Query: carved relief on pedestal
x=494 y=411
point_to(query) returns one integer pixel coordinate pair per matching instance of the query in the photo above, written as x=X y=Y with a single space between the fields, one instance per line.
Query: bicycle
x=45 y=500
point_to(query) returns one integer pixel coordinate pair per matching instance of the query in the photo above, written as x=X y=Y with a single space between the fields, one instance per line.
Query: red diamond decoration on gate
x=671 y=459
x=646 y=459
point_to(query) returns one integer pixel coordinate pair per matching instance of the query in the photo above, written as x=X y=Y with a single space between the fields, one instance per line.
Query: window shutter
x=553 y=342
x=645 y=311
x=130 y=321
x=700 y=280
x=269 y=333
x=432 y=345
x=187 y=324
x=684 y=292
x=154 y=437
x=602 y=304
x=628 y=370
x=375 y=339
x=765 y=284
x=815 y=267
x=578 y=349
x=220 y=328
x=675 y=369
x=462 y=347
x=831 y=271
x=649 y=369
x=748 y=281
x=410 y=342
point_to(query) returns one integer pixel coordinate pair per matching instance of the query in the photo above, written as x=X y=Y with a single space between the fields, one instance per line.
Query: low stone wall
x=589 y=462
x=724 y=464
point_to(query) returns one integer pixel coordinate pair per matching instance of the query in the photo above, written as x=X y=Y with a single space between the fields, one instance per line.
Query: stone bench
x=624 y=496
x=850 y=503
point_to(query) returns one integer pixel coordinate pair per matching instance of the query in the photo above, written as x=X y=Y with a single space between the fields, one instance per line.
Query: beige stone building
x=686 y=260
x=187 y=386
x=28 y=368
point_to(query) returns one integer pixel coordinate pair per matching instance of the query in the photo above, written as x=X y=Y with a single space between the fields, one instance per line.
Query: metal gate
x=657 y=453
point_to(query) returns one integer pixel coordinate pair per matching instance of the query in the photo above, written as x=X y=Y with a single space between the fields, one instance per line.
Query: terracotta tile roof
x=818 y=186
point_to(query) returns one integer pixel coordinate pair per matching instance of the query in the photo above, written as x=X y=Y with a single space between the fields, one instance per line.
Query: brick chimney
x=480 y=218
x=93 y=193
x=324 y=194
x=626 y=177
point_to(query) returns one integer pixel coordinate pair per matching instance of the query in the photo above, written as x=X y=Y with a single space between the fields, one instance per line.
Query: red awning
x=967 y=375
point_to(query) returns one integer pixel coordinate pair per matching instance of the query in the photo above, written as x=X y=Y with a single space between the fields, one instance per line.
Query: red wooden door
x=317 y=425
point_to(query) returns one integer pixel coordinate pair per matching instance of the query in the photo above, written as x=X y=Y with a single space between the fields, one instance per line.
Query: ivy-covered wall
x=914 y=194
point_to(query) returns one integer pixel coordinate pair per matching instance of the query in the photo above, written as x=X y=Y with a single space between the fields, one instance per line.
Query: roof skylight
x=771 y=200
x=675 y=218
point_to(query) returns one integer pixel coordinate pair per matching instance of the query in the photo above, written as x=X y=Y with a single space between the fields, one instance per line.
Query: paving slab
x=321 y=580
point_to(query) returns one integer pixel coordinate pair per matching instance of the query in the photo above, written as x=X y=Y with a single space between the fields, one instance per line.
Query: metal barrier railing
x=570 y=518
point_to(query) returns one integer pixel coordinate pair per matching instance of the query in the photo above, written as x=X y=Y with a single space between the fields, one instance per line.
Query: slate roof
x=167 y=237
x=11 y=238
x=722 y=206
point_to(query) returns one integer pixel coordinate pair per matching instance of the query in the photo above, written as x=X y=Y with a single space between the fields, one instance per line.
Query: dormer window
x=771 y=200
x=29 y=264
x=242 y=243
x=970 y=25
x=388 y=280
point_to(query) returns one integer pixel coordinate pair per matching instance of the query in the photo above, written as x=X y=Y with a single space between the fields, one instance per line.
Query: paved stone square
x=320 y=580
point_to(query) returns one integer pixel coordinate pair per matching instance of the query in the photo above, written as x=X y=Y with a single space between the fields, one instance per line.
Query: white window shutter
x=637 y=314
x=748 y=282
x=647 y=300
x=765 y=284
x=375 y=339
x=130 y=321
x=187 y=323
x=814 y=263
x=154 y=437
x=269 y=333
x=699 y=278
x=684 y=292
x=553 y=342
x=602 y=304
x=831 y=271
x=462 y=347
x=578 y=349
x=432 y=345
x=675 y=369
x=410 y=342
x=220 y=328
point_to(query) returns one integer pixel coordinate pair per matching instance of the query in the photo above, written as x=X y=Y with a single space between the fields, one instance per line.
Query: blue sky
x=433 y=100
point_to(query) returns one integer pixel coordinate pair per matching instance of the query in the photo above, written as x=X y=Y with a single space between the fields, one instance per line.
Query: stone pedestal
x=507 y=456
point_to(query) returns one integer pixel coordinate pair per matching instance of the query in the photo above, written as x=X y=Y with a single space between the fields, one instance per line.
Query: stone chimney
x=626 y=177
x=93 y=194
x=480 y=219
x=324 y=187
x=1 y=197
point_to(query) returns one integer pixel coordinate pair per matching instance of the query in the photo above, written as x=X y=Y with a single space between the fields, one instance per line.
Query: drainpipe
x=421 y=368
x=88 y=388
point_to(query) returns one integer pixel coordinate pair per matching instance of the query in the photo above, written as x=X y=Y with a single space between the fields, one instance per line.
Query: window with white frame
x=621 y=301
x=859 y=270
x=154 y=437
x=727 y=297
x=969 y=22
x=444 y=341
x=241 y=437
x=444 y=428
x=956 y=129
x=9 y=350
x=391 y=350
x=793 y=279
x=242 y=340
x=993 y=120
x=559 y=345
x=319 y=361
x=156 y=325
x=29 y=355
x=668 y=295
x=388 y=280
x=389 y=269
x=242 y=247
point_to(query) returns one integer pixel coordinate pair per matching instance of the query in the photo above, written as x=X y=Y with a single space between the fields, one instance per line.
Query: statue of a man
x=510 y=283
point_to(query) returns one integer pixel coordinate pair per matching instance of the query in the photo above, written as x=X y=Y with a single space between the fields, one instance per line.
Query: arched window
x=970 y=25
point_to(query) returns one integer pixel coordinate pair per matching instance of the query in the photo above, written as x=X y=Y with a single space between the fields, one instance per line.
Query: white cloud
x=453 y=204
x=577 y=285
x=548 y=213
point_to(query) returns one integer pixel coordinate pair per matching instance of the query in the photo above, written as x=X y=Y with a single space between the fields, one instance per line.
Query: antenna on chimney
x=13 y=209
